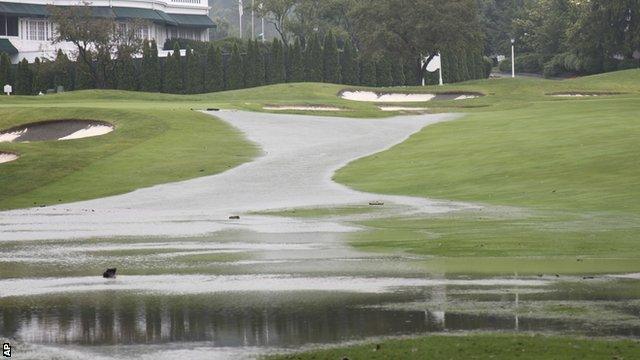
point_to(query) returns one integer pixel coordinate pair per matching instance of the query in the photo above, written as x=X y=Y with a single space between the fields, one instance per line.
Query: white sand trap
x=371 y=96
x=56 y=130
x=301 y=108
x=11 y=136
x=465 y=97
x=91 y=131
x=402 y=108
x=6 y=157
x=575 y=95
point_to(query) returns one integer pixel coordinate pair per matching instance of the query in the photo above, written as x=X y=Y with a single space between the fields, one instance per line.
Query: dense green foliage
x=563 y=36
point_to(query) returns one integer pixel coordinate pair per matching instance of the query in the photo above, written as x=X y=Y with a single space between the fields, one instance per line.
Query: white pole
x=240 y=12
x=263 y=34
x=253 y=27
x=440 y=70
x=422 y=69
x=513 y=58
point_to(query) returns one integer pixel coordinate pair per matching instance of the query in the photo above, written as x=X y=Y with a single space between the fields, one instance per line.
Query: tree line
x=233 y=64
x=558 y=37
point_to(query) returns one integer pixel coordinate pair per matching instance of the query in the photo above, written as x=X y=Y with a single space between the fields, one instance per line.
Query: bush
x=628 y=64
x=487 y=66
x=554 y=67
x=529 y=63
x=505 y=65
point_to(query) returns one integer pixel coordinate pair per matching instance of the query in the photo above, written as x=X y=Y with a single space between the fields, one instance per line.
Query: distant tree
x=409 y=29
x=235 y=78
x=173 y=73
x=6 y=73
x=313 y=57
x=63 y=71
x=277 y=12
x=383 y=72
x=349 y=64
x=150 y=68
x=126 y=74
x=368 y=72
x=37 y=70
x=330 y=60
x=296 y=62
x=24 y=79
x=195 y=72
x=259 y=64
x=83 y=76
x=214 y=73
x=248 y=66
x=397 y=73
x=5 y=70
x=95 y=39
x=277 y=62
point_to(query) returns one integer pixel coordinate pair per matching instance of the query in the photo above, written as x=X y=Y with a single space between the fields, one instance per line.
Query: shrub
x=628 y=64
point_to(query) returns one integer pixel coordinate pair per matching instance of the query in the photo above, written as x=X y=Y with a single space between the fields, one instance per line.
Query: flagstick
x=440 y=70
x=421 y=69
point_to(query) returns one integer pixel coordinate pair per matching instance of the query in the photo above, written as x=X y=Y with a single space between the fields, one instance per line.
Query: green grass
x=323 y=211
x=559 y=177
x=148 y=147
x=480 y=346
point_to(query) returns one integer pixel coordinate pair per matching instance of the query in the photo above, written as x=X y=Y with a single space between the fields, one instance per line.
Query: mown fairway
x=560 y=175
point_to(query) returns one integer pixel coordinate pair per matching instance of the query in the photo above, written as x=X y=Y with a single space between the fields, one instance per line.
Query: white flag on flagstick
x=240 y=7
x=435 y=64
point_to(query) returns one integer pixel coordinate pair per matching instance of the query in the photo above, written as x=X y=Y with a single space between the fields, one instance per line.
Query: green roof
x=7 y=47
x=137 y=13
x=167 y=18
x=23 y=9
x=118 y=12
x=193 y=20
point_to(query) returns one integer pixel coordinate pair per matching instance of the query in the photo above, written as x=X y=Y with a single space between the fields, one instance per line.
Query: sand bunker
x=402 y=108
x=302 y=108
x=56 y=130
x=370 y=96
x=6 y=157
x=583 y=94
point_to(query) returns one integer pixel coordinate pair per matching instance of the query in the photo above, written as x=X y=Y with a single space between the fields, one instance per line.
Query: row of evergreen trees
x=210 y=68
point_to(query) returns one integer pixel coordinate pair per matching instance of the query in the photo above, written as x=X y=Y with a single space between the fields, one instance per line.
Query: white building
x=25 y=28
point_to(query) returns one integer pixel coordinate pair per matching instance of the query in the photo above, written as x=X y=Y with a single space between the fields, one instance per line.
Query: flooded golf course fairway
x=241 y=294
x=219 y=267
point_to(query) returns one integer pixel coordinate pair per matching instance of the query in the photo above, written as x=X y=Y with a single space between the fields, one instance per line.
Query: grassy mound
x=151 y=146
x=560 y=176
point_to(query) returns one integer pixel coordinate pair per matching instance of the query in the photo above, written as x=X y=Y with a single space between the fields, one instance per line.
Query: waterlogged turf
x=480 y=347
x=553 y=213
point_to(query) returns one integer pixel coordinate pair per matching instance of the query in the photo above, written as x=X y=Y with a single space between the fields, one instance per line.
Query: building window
x=39 y=30
x=8 y=25
x=141 y=32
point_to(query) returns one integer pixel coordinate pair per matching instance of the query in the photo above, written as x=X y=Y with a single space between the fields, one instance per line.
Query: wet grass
x=480 y=346
x=320 y=212
x=558 y=177
x=148 y=147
